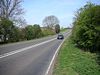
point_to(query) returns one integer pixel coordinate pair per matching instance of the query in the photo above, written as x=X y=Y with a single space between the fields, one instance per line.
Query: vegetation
x=33 y=32
x=47 y=32
x=86 y=30
x=11 y=17
x=10 y=33
x=50 y=21
x=5 y=28
x=38 y=31
x=13 y=26
x=29 y=32
x=14 y=35
x=57 y=28
x=12 y=10
x=63 y=29
x=73 y=61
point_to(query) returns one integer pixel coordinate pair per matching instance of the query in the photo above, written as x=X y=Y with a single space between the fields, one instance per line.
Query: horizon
x=36 y=11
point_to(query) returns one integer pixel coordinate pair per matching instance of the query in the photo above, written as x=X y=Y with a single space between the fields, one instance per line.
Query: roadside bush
x=33 y=31
x=30 y=34
x=86 y=30
x=37 y=31
x=14 y=35
x=47 y=32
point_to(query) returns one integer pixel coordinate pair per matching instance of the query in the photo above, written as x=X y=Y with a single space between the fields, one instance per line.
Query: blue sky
x=64 y=10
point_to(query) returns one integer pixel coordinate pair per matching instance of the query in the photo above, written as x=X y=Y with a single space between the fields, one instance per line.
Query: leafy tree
x=33 y=31
x=30 y=34
x=86 y=28
x=10 y=15
x=22 y=33
x=37 y=31
x=57 y=28
x=47 y=32
x=6 y=27
x=50 y=21
x=12 y=10
x=14 y=35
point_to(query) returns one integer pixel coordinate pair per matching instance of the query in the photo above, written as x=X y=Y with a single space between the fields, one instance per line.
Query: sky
x=64 y=10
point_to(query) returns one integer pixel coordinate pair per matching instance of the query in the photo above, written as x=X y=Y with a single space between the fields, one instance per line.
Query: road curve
x=32 y=61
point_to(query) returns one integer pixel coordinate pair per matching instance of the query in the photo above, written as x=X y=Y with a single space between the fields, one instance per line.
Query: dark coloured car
x=60 y=36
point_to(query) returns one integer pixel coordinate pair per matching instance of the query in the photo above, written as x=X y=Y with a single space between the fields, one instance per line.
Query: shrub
x=86 y=30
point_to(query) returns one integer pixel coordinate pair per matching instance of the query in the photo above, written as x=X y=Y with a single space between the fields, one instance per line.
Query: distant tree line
x=52 y=22
x=13 y=27
x=33 y=32
x=86 y=30
x=12 y=33
x=9 y=32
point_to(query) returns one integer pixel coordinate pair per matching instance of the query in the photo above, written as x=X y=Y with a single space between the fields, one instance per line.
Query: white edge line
x=23 y=49
x=52 y=60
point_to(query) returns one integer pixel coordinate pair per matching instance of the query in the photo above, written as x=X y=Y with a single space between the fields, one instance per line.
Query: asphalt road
x=28 y=58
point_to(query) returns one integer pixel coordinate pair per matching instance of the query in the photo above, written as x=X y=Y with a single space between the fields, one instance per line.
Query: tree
x=22 y=33
x=57 y=28
x=86 y=28
x=30 y=34
x=11 y=9
x=6 y=27
x=33 y=31
x=14 y=35
x=11 y=15
x=50 y=21
x=37 y=31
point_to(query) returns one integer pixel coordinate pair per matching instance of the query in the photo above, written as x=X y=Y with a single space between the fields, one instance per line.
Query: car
x=60 y=36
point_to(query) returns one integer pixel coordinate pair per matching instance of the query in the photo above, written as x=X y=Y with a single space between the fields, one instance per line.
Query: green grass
x=63 y=30
x=73 y=61
x=48 y=32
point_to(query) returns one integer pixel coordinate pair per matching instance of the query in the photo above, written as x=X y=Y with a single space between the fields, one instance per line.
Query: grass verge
x=63 y=30
x=73 y=61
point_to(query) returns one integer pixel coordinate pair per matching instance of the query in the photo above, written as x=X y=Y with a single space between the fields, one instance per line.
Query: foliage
x=29 y=30
x=33 y=32
x=38 y=31
x=47 y=32
x=50 y=21
x=57 y=28
x=63 y=29
x=14 y=35
x=12 y=10
x=9 y=32
x=6 y=27
x=11 y=16
x=73 y=61
x=22 y=34
x=86 y=30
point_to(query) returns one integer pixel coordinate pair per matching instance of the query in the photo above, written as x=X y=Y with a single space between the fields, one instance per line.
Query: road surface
x=28 y=58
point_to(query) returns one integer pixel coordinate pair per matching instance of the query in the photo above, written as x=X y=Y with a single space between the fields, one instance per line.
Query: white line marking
x=23 y=49
x=52 y=60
